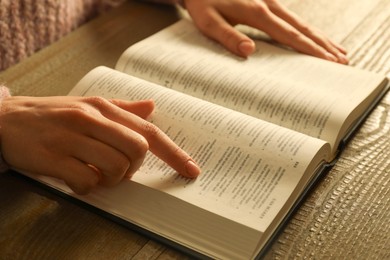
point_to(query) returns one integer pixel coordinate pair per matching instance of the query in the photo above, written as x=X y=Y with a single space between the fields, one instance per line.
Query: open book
x=262 y=129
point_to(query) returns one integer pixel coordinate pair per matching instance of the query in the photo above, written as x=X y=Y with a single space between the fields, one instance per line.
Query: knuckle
x=295 y=35
x=140 y=146
x=97 y=101
x=260 y=8
x=85 y=112
x=79 y=115
x=92 y=105
x=271 y=3
x=306 y=29
x=207 y=24
x=78 y=111
x=151 y=131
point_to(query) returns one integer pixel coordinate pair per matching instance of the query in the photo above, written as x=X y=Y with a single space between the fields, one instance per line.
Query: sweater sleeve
x=4 y=93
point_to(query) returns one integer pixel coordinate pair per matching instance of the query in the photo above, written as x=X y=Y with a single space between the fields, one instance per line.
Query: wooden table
x=346 y=216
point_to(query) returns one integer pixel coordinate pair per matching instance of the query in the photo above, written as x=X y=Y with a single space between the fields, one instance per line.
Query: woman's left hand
x=217 y=18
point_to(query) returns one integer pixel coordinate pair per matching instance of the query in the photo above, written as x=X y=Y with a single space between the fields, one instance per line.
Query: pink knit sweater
x=29 y=25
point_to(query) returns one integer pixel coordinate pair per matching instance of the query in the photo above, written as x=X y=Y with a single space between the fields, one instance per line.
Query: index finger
x=164 y=148
x=159 y=143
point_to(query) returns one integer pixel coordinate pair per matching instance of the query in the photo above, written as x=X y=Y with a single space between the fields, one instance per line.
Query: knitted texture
x=29 y=25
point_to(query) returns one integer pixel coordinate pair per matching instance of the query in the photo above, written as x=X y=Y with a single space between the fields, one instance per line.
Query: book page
x=293 y=90
x=249 y=167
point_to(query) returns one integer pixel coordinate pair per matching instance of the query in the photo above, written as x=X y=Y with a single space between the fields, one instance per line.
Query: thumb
x=141 y=108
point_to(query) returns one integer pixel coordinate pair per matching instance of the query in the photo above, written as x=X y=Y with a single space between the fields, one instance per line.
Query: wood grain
x=347 y=216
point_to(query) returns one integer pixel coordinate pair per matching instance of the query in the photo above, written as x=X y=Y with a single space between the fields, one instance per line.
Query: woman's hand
x=85 y=141
x=216 y=18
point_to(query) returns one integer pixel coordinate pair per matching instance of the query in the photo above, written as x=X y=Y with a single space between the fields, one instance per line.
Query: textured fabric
x=29 y=25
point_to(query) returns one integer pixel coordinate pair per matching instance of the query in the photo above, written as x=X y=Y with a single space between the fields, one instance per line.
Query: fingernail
x=343 y=59
x=192 y=169
x=129 y=175
x=246 y=48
